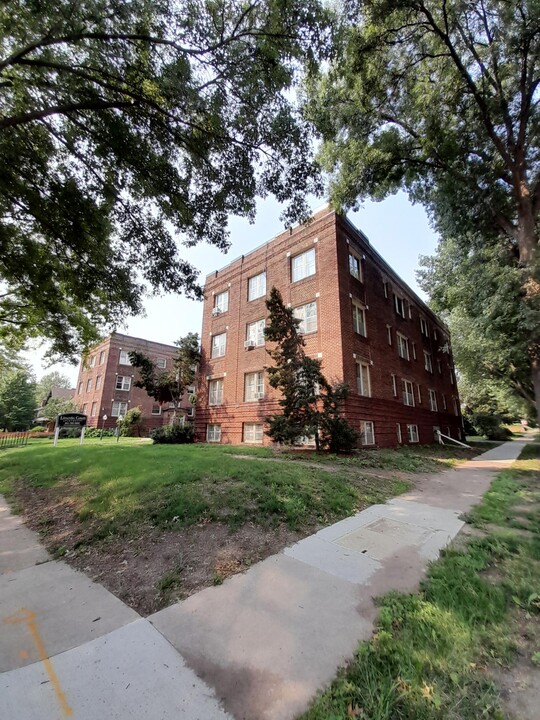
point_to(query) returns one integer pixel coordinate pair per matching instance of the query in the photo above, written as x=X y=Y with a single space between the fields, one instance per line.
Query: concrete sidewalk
x=257 y=647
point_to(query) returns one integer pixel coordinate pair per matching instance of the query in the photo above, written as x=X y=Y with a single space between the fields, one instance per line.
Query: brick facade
x=98 y=390
x=379 y=296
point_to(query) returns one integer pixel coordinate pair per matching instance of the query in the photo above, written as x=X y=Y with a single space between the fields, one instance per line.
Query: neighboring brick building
x=367 y=326
x=106 y=382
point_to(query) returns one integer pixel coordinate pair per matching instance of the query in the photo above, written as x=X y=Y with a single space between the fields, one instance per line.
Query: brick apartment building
x=367 y=326
x=106 y=382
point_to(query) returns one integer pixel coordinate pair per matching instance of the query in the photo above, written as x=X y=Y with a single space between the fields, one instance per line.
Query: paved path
x=257 y=647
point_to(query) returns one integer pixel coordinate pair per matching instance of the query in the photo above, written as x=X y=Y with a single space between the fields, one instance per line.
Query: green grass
x=427 y=658
x=118 y=486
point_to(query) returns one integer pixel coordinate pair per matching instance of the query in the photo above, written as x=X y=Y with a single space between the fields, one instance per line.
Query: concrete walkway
x=257 y=647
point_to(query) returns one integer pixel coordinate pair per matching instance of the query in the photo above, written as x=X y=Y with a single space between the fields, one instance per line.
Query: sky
x=398 y=230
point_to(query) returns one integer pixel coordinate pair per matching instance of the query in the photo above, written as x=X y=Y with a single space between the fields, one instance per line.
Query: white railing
x=440 y=437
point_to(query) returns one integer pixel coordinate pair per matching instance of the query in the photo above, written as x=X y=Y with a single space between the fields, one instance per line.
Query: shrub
x=173 y=434
x=338 y=435
x=38 y=428
x=131 y=423
x=490 y=425
x=92 y=432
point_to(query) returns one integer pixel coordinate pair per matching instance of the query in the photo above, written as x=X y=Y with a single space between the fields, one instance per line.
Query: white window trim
x=122 y=388
x=361 y=390
x=412 y=434
x=428 y=362
x=259 y=287
x=359 y=308
x=89 y=385
x=124 y=354
x=159 y=408
x=258 y=335
x=394 y=385
x=255 y=430
x=220 y=307
x=354 y=256
x=399 y=302
x=399 y=436
x=218 y=383
x=389 y=334
x=364 y=435
x=120 y=412
x=408 y=394
x=424 y=329
x=93 y=409
x=433 y=400
x=402 y=342
x=256 y=388
x=213 y=439
x=161 y=360
x=419 y=391
x=303 y=318
x=221 y=347
x=304 y=269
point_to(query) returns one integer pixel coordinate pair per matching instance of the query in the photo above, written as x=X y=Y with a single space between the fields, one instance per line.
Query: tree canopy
x=441 y=99
x=17 y=399
x=126 y=128
x=50 y=380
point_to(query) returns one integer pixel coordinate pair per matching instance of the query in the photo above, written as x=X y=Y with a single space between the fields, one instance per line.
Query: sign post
x=120 y=418
x=70 y=420
x=102 y=426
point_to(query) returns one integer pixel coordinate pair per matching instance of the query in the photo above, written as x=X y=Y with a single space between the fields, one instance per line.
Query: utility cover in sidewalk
x=383 y=537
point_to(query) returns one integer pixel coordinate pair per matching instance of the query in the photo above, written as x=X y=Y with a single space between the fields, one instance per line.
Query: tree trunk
x=535 y=370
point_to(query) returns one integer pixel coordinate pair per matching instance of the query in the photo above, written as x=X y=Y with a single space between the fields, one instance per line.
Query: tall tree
x=310 y=406
x=441 y=99
x=126 y=127
x=169 y=386
x=17 y=399
x=49 y=381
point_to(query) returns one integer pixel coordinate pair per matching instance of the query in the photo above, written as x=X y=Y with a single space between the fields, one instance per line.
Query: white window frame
x=355 y=266
x=399 y=436
x=385 y=287
x=363 y=385
x=102 y=357
x=402 y=345
x=252 y=433
x=408 y=393
x=444 y=402
x=93 y=409
x=161 y=363
x=89 y=385
x=215 y=392
x=399 y=305
x=84 y=406
x=439 y=367
x=424 y=329
x=219 y=345
x=389 y=334
x=221 y=302
x=419 y=391
x=255 y=332
x=367 y=430
x=254 y=386
x=124 y=357
x=428 y=362
x=257 y=286
x=303 y=265
x=92 y=361
x=413 y=345
x=308 y=323
x=158 y=407
x=433 y=400
x=190 y=411
x=456 y=411
x=412 y=434
x=123 y=382
x=119 y=408
x=394 y=385
x=213 y=433
x=359 y=312
x=98 y=382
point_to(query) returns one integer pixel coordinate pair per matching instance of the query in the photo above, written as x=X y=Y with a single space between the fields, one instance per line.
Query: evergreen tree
x=17 y=399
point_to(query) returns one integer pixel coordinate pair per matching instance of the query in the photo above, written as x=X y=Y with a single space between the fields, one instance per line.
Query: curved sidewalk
x=257 y=647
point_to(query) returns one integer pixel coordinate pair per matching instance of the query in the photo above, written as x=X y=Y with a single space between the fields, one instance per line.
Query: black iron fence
x=13 y=439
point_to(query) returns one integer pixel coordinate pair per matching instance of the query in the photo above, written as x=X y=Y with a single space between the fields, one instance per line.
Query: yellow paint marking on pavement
x=24 y=615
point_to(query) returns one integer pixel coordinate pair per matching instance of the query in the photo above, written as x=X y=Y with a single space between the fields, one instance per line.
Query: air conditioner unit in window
x=258 y=395
x=216 y=311
x=249 y=344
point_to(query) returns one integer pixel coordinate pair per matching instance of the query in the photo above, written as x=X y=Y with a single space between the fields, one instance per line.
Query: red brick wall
x=335 y=341
x=109 y=370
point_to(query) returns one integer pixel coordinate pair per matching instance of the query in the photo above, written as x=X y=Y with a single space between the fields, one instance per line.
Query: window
x=412 y=433
x=156 y=409
x=190 y=411
x=428 y=362
x=367 y=432
x=424 y=327
x=219 y=343
x=439 y=367
x=253 y=386
x=355 y=267
x=362 y=379
x=257 y=286
x=253 y=433
x=102 y=357
x=408 y=393
x=92 y=361
x=433 y=400
x=84 y=407
x=119 y=408
x=191 y=390
x=98 y=382
x=124 y=357
x=80 y=387
x=394 y=385
x=123 y=382
x=451 y=377
x=255 y=333
x=213 y=433
x=385 y=288
x=215 y=392
x=303 y=265
x=389 y=334
x=402 y=346
x=88 y=384
x=398 y=430
x=444 y=402
x=161 y=363
x=454 y=402
x=436 y=433
x=414 y=350
x=418 y=390
x=359 y=319
x=307 y=314
x=221 y=302
x=93 y=411
x=435 y=335
x=399 y=304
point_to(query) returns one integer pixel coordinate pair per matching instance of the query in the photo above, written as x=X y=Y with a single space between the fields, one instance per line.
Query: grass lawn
x=472 y=630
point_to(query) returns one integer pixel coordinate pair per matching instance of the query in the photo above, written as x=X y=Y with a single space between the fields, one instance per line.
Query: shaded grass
x=428 y=657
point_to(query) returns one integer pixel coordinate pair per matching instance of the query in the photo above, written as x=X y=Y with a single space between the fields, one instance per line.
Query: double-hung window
x=428 y=362
x=119 y=408
x=408 y=393
x=257 y=286
x=253 y=433
x=123 y=382
x=303 y=265
x=102 y=357
x=402 y=346
x=359 y=318
x=92 y=361
x=213 y=433
x=412 y=433
x=255 y=333
x=424 y=327
x=433 y=400
x=124 y=357
x=254 y=386
x=156 y=409
x=88 y=384
x=307 y=314
x=161 y=363
x=362 y=379
x=98 y=382
x=355 y=267
x=219 y=343
x=215 y=392
x=399 y=304
x=221 y=302
x=367 y=436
